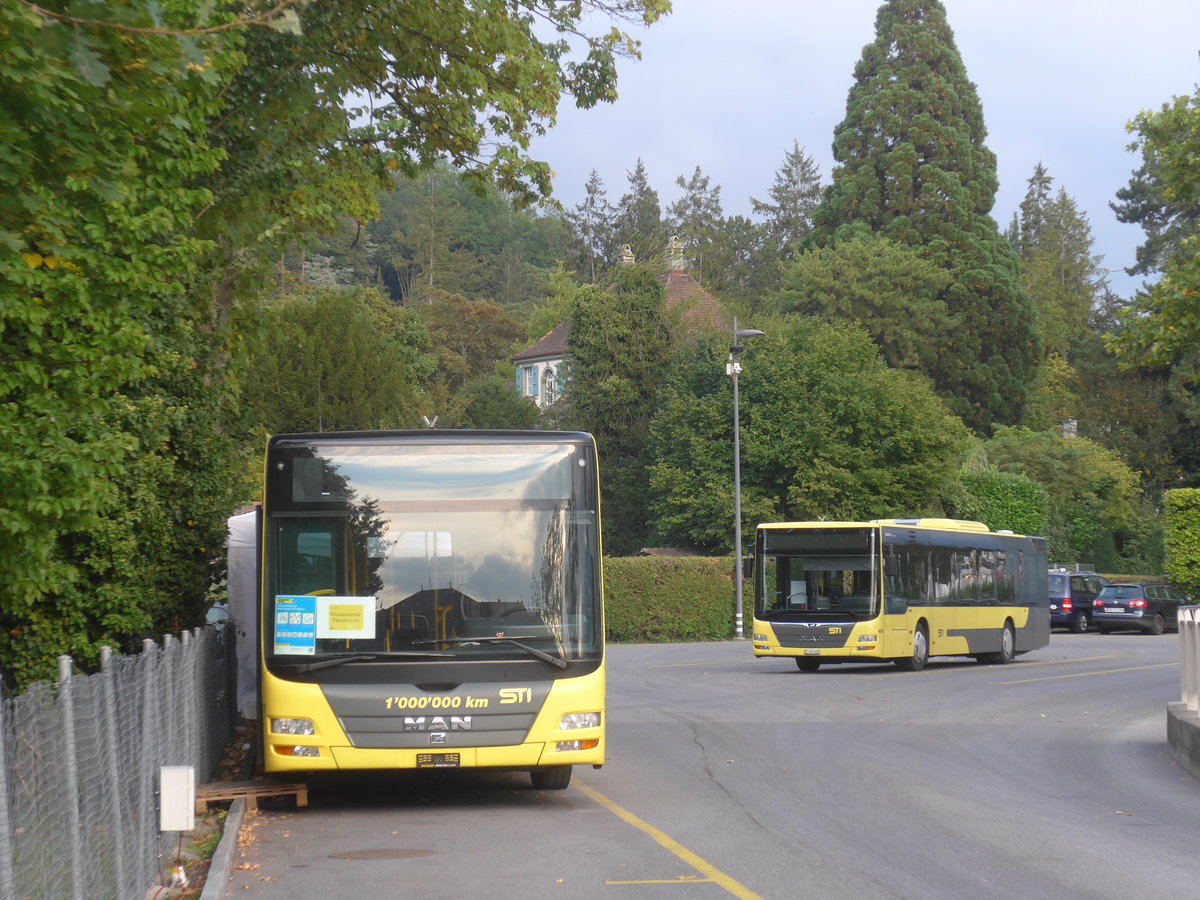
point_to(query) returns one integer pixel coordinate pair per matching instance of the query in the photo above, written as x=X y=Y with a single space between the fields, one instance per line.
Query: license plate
x=812 y=652
x=438 y=761
x=1114 y=610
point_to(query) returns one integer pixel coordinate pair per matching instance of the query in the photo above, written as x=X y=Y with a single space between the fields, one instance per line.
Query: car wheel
x=1080 y=625
x=1156 y=627
x=920 y=651
x=807 y=665
x=552 y=778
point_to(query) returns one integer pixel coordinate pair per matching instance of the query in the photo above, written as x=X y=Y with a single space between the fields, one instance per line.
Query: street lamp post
x=732 y=368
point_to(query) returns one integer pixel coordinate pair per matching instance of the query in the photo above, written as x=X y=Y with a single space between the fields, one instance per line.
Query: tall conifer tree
x=913 y=167
x=638 y=218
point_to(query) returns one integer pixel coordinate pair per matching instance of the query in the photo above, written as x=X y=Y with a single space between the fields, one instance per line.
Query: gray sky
x=729 y=85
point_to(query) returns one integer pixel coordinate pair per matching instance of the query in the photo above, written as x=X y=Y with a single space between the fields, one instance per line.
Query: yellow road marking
x=1086 y=674
x=712 y=873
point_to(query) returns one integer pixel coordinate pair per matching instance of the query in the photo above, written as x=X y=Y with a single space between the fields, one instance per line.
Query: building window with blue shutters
x=533 y=381
x=549 y=386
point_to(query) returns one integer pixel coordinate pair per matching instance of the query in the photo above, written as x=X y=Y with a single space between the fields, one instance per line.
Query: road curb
x=1183 y=736
x=221 y=867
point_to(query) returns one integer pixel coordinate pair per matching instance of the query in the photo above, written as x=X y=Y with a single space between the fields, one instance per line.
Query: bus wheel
x=920 y=651
x=1008 y=646
x=807 y=665
x=553 y=778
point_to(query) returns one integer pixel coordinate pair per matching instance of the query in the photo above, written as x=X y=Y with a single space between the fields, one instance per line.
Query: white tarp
x=242 y=546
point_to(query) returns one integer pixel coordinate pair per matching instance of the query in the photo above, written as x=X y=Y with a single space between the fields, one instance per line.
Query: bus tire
x=551 y=778
x=1008 y=646
x=920 y=651
x=807 y=665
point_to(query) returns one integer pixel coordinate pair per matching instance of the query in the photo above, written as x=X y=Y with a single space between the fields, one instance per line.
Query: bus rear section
x=897 y=589
x=432 y=600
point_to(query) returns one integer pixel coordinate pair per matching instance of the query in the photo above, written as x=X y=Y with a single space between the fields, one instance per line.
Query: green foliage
x=651 y=599
x=913 y=167
x=889 y=289
x=619 y=346
x=490 y=402
x=153 y=156
x=828 y=431
x=1095 y=508
x=696 y=219
x=337 y=360
x=1000 y=500
x=1181 y=509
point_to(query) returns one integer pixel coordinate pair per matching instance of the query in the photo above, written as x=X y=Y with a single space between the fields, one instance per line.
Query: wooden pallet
x=250 y=791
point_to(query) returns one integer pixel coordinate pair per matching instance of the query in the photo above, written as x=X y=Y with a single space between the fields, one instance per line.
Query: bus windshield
x=431 y=550
x=816 y=574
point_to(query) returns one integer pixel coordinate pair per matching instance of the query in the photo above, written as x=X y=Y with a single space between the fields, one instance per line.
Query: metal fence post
x=108 y=725
x=66 y=705
x=147 y=764
x=7 y=888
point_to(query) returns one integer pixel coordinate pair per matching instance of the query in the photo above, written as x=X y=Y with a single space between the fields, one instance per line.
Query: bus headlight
x=298 y=751
x=760 y=638
x=868 y=638
x=292 y=726
x=579 y=720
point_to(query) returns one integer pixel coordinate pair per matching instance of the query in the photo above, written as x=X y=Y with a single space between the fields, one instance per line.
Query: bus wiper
x=333 y=661
x=555 y=661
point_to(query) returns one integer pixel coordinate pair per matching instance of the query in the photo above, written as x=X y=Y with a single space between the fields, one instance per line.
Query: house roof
x=698 y=310
x=695 y=308
x=552 y=346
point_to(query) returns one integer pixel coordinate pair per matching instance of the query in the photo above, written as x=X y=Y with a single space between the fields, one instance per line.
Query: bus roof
x=958 y=525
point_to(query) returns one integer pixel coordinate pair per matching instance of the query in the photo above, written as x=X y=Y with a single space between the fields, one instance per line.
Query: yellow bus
x=432 y=600
x=897 y=589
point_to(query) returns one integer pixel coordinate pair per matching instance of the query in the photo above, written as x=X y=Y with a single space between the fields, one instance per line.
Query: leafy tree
x=469 y=336
x=828 y=431
x=913 y=167
x=696 y=219
x=890 y=289
x=489 y=401
x=338 y=360
x=158 y=158
x=1096 y=510
x=1001 y=500
x=1161 y=328
x=795 y=195
x=619 y=346
x=638 y=219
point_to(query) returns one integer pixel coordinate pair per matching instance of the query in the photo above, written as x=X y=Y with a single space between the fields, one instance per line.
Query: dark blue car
x=1071 y=598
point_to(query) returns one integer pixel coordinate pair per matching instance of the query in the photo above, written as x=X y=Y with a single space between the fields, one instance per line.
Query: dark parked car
x=1071 y=597
x=1148 y=607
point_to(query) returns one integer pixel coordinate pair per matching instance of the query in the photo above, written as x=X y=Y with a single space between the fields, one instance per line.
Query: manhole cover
x=382 y=853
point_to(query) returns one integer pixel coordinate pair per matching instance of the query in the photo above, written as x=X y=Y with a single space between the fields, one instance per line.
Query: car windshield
x=1120 y=592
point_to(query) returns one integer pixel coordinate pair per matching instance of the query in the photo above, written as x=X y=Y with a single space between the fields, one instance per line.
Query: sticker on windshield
x=295 y=625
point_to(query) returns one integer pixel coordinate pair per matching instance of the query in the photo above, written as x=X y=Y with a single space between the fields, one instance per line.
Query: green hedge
x=654 y=599
x=1182 y=512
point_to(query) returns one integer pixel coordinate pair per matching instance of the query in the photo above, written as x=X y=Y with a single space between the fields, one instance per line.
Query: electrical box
x=177 y=798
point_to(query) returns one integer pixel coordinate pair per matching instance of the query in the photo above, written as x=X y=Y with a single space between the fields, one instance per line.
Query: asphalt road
x=730 y=776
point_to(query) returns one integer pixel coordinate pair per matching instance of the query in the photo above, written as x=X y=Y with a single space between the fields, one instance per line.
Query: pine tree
x=1059 y=271
x=913 y=167
x=696 y=218
x=796 y=193
x=591 y=222
x=638 y=219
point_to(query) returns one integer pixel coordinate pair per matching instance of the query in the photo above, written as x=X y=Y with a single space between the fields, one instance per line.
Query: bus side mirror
x=748 y=567
x=889 y=566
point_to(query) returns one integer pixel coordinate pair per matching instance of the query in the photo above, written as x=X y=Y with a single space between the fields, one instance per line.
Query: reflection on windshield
x=447 y=545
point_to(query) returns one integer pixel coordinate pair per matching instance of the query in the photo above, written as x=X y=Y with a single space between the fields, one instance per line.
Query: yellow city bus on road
x=897 y=589
x=432 y=600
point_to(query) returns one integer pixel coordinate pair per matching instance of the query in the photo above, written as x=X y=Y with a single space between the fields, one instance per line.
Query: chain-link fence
x=80 y=759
